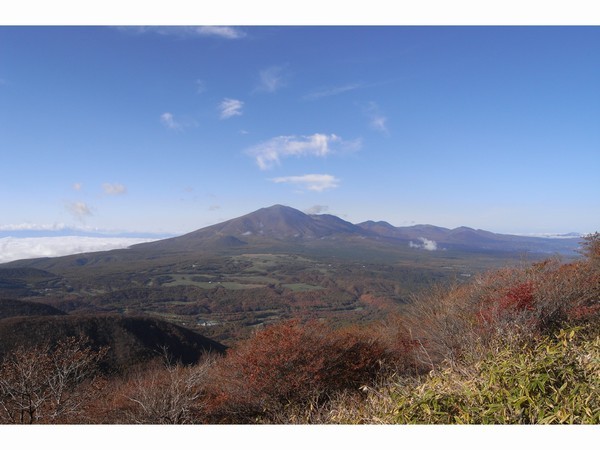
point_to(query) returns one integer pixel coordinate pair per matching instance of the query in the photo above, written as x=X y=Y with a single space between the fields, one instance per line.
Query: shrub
x=289 y=364
x=509 y=304
x=160 y=394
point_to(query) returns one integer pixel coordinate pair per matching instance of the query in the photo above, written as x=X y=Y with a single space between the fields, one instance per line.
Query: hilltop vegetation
x=516 y=345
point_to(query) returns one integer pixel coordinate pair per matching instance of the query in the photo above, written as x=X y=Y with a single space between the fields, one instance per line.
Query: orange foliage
x=292 y=363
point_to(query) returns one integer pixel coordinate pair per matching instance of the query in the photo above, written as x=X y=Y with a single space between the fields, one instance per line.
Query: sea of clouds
x=14 y=248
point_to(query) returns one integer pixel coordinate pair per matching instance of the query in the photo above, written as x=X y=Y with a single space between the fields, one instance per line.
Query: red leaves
x=291 y=363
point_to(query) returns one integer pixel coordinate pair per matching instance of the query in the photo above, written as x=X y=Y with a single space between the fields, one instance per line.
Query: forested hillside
x=516 y=345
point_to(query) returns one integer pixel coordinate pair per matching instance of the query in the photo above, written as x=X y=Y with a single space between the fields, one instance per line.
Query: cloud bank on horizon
x=12 y=249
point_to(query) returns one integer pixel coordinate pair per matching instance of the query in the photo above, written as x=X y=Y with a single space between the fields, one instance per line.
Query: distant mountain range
x=281 y=229
x=281 y=224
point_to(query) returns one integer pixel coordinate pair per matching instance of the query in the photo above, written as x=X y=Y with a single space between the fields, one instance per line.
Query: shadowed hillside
x=131 y=340
x=16 y=308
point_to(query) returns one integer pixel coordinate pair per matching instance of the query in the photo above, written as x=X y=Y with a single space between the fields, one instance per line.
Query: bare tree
x=168 y=394
x=43 y=384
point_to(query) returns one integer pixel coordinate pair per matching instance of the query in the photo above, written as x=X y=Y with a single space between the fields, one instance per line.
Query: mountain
x=275 y=224
x=469 y=239
x=284 y=229
x=280 y=226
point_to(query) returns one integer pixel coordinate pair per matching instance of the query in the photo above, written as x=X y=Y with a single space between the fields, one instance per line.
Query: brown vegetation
x=517 y=345
x=48 y=384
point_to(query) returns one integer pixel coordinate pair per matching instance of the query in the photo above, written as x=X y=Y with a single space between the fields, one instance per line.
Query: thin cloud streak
x=328 y=92
x=33 y=227
x=222 y=32
x=311 y=182
x=230 y=33
x=114 y=188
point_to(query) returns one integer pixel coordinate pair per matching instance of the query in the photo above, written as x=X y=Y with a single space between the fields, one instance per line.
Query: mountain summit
x=275 y=223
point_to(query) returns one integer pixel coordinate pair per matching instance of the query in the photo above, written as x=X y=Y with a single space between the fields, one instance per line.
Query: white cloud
x=12 y=249
x=268 y=154
x=271 y=79
x=113 y=188
x=189 y=32
x=377 y=121
x=426 y=244
x=79 y=209
x=77 y=186
x=168 y=120
x=328 y=92
x=230 y=107
x=311 y=182
x=222 y=32
x=317 y=209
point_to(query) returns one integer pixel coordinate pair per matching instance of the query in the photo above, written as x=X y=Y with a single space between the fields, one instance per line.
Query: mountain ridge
x=279 y=223
x=281 y=228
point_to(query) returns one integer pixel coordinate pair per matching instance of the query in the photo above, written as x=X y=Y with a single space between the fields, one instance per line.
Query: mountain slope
x=270 y=225
x=131 y=340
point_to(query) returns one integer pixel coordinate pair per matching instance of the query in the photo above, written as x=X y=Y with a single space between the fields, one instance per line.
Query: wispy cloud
x=222 y=32
x=200 y=86
x=230 y=107
x=271 y=79
x=79 y=210
x=77 y=186
x=377 y=121
x=268 y=154
x=317 y=209
x=168 y=120
x=114 y=188
x=310 y=182
x=330 y=91
x=33 y=227
x=190 y=32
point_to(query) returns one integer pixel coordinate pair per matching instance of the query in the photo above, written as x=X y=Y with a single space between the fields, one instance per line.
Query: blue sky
x=170 y=129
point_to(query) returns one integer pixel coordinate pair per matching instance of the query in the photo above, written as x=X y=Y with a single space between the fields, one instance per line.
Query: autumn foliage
x=290 y=363
x=517 y=345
